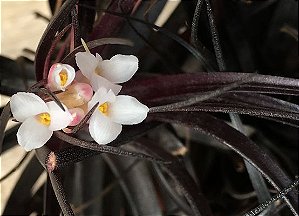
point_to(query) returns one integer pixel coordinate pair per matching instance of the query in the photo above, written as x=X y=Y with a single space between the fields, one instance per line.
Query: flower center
x=98 y=71
x=63 y=77
x=104 y=108
x=44 y=118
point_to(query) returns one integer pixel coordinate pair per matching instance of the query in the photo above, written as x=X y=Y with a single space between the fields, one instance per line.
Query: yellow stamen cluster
x=44 y=118
x=63 y=77
x=104 y=108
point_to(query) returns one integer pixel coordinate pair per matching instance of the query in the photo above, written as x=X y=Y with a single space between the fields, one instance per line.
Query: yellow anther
x=103 y=108
x=44 y=118
x=63 y=77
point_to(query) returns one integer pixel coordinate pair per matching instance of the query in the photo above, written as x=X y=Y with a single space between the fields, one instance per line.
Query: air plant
x=174 y=140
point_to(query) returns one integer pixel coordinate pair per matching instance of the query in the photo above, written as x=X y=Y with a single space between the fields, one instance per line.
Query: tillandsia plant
x=174 y=140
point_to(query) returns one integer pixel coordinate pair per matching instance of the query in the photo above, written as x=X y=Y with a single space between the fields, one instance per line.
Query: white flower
x=113 y=111
x=60 y=76
x=106 y=73
x=39 y=119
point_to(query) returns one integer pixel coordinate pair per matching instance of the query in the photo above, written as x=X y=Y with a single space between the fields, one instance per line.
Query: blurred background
x=20 y=29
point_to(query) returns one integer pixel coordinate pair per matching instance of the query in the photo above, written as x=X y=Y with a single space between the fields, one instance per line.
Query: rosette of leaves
x=200 y=73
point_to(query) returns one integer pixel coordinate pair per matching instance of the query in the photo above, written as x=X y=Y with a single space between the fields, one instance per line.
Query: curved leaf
x=158 y=86
x=43 y=155
x=236 y=141
x=136 y=183
x=5 y=115
x=17 y=204
x=110 y=24
x=60 y=194
x=103 y=148
x=49 y=34
x=15 y=75
x=84 y=149
x=180 y=175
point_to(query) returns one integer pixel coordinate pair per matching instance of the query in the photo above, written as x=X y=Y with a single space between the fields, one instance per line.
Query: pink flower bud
x=76 y=95
x=77 y=114
x=79 y=77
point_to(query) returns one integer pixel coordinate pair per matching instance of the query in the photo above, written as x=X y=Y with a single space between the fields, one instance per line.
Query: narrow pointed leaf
x=180 y=175
x=235 y=140
x=158 y=86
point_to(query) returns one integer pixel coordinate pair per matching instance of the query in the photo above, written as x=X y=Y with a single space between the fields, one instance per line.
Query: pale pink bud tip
x=84 y=91
x=77 y=114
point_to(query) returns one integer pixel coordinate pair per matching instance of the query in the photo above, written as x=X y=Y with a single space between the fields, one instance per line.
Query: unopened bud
x=76 y=95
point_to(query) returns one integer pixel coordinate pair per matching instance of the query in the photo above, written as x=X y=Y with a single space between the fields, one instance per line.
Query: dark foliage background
x=229 y=71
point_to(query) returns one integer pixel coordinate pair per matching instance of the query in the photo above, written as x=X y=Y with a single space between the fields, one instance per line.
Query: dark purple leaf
x=15 y=75
x=76 y=36
x=50 y=202
x=158 y=86
x=86 y=17
x=109 y=24
x=235 y=140
x=178 y=172
x=104 y=148
x=18 y=202
x=49 y=34
x=60 y=194
x=205 y=59
x=52 y=48
x=270 y=201
x=271 y=114
x=5 y=115
x=177 y=199
x=84 y=149
x=243 y=103
x=137 y=182
x=262 y=101
x=44 y=155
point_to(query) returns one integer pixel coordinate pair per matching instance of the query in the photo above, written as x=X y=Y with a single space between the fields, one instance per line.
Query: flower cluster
x=95 y=83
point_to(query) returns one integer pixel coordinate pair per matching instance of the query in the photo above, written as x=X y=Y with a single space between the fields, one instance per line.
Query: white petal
x=98 y=57
x=101 y=96
x=100 y=82
x=24 y=105
x=119 y=69
x=54 y=79
x=59 y=118
x=87 y=63
x=102 y=129
x=32 y=134
x=127 y=110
